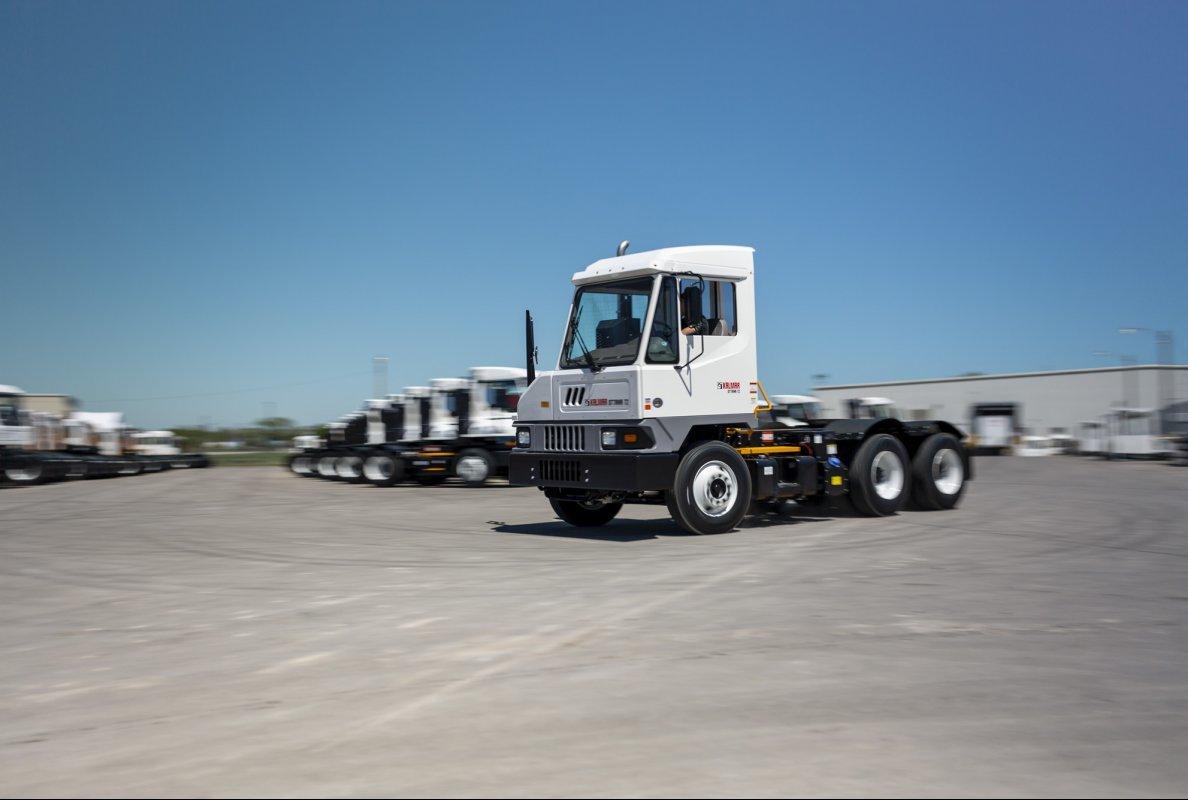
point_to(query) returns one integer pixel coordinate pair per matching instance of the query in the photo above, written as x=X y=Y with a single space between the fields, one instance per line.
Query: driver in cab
x=692 y=320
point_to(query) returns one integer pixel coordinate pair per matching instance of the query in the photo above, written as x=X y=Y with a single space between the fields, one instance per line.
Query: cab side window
x=708 y=307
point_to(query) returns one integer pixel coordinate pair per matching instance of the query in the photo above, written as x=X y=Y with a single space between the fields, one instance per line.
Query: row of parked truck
x=454 y=427
x=1119 y=434
x=36 y=447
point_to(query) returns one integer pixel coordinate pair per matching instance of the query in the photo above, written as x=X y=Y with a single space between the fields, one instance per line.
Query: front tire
x=879 y=479
x=349 y=469
x=711 y=490
x=383 y=470
x=26 y=475
x=938 y=473
x=474 y=466
x=585 y=515
x=326 y=468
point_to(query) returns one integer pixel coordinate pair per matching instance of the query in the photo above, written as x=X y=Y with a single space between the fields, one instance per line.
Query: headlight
x=524 y=437
x=626 y=438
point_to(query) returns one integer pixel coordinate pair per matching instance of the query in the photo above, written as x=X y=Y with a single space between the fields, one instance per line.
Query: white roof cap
x=448 y=384
x=497 y=373
x=101 y=420
x=876 y=401
x=5 y=389
x=416 y=391
x=146 y=434
x=731 y=262
x=785 y=399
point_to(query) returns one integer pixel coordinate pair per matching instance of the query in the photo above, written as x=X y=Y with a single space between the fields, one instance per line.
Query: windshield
x=805 y=412
x=607 y=323
x=8 y=411
x=503 y=395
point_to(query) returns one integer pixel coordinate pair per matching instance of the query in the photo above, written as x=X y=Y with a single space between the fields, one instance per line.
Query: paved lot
x=241 y=631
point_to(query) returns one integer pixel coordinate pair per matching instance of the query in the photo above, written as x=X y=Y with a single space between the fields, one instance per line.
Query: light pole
x=1164 y=355
x=379 y=384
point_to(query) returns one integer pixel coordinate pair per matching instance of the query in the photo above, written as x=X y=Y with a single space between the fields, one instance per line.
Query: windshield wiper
x=590 y=362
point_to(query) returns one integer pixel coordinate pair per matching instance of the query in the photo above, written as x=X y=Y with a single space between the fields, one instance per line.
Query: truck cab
x=655 y=397
x=795 y=410
x=872 y=408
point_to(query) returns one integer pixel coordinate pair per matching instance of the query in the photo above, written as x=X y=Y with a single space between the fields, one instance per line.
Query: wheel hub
x=947 y=471
x=472 y=468
x=715 y=489
x=887 y=475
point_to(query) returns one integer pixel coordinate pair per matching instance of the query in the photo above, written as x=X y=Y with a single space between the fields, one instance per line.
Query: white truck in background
x=993 y=427
x=462 y=427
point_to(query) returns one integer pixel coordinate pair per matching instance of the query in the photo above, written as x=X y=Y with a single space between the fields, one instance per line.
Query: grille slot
x=565 y=438
x=562 y=471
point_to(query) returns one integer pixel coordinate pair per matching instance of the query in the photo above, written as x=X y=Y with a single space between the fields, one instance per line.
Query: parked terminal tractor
x=656 y=399
x=462 y=427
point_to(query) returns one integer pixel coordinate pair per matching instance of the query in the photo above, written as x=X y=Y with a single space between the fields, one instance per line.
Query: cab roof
x=785 y=399
x=497 y=373
x=722 y=261
x=4 y=389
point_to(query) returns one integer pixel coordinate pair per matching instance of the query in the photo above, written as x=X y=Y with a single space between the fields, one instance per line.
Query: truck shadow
x=629 y=530
x=620 y=530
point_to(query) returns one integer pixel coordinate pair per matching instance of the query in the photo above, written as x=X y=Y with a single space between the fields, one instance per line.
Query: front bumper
x=623 y=472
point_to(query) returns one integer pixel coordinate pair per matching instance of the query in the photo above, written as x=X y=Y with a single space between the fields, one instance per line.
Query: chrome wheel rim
x=715 y=489
x=472 y=469
x=23 y=474
x=349 y=467
x=887 y=475
x=379 y=469
x=947 y=471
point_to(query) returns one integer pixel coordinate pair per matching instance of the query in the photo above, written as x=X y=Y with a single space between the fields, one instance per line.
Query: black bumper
x=624 y=472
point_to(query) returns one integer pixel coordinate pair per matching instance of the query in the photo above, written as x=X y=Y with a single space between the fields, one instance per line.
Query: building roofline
x=990 y=377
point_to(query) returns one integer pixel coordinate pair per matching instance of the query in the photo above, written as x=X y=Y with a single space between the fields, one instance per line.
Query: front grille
x=564 y=438
x=566 y=471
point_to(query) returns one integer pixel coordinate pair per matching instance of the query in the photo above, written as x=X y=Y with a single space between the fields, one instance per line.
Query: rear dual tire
x=881 y=480
x=938 y=473
x=879 y=476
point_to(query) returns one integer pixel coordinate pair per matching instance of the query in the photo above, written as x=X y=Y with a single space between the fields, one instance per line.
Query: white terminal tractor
x=656 y=399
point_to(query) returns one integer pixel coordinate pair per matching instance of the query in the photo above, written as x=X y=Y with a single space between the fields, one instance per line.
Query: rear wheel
x=299 y=464
x=583 y=514
x=474 y=466
x=383 y=470
x=879 y=478
x=938 y=473
x=712 y=489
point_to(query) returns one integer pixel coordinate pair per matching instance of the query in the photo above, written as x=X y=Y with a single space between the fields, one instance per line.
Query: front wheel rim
x=887 y=475
x=472 y=469
x=947 y=471
x=379 y=469
x=715 y=489
x=23 y=474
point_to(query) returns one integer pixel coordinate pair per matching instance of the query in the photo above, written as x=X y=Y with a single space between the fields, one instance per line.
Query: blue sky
x=231 y=204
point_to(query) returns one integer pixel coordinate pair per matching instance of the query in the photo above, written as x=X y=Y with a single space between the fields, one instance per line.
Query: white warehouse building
x=1045 y=401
